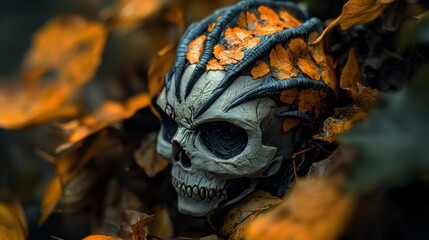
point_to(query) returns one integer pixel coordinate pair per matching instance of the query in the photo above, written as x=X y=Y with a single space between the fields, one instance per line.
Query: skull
x=222 y=128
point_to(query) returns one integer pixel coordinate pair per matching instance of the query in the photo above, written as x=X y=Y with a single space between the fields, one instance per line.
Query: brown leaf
x=70 y=164
x=351 y=75
x=314 y=209
x=109 y=112
x=357 y=12
x=161 y=226
x=259 y=70
x=65 y=55
x=282 y=67
x=290 y=123
x=312 y=101
x=135 y=225
x=12 y=221
x=244 y=212
x=289 y=96
x=159 y=67
x=195 y=49
x=148 y=158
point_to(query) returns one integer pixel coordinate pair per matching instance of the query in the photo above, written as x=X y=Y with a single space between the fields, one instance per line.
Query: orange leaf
x=314 y=209
x=248 y=21
x=308 y=67
x=159 y=67
x=240 y=38
x=65 y=55
x=351 y=75
x=12 y=221
x=227 y=56
x=109 y=112
x=243 y=213
x=195 y=49
x=269 y=22
x=289 y=20
x=148 y=158
x=312 y=101
x=259 y=70
x=289 y=96
x=357 y=12
x=281 y=64
x=298 y=47
x=290 y=123
x=128 y=13
x=101 y=237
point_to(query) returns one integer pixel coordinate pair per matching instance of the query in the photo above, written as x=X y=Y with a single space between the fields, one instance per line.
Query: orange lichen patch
x=248 y=21
x=214 y=65
x=211 y=26
x=259 y=70
x=289 y=96
x=195 y=49
x=227 y=56
x=298 y=47
x=308 y=67
x=240 y=39
x=289 y=20
x=281 y=64
x=312 y=101
x=290 y=123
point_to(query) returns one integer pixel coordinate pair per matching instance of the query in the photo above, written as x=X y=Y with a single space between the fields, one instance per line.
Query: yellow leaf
x=357 y=12
x=65 y=54
x=244 y=212
x=12 y=221
x=314 y=209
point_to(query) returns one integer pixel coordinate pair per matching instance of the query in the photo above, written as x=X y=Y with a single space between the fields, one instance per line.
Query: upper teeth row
x=198 y=191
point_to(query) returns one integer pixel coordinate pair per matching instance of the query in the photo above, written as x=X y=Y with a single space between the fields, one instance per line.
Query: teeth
x=195 y=191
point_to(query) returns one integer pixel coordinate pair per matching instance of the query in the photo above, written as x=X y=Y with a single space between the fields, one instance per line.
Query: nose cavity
x=180 y=156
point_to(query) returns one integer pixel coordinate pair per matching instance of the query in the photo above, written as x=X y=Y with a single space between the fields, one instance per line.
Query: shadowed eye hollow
x=225 y=140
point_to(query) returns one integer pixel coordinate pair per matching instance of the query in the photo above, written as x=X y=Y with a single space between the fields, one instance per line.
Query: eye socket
x=169 y=127
x=225 y=140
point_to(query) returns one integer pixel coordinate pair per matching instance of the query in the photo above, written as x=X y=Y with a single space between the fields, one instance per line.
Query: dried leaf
x=128 y=13
x=259 y=70
x=357 y=12
x=289 y=20
x=298 y=48
x=101 y=237
x=269 y=22
x=159 y=67
x=69 y=165
x=241 y=215
x=314 y=209
x=135 y=225
x=289 y=96
x=12 y=221
x=240 y=39
x=309 y=68
x=290 y=123
x=148 y=158
x=214 y=65
x=195 y=49
x=65 y=54
x=161 y=225
x=312 y=101
x=282 y=67
x=108 y=113
x=227 y=56
x=248 y=21
x=351 y=75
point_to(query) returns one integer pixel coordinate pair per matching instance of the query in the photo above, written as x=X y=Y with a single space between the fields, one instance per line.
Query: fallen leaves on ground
x=244 y=212
x=108 y=113
x=70 y=164
x=65 y=54
x=12 y=221
x=356 y=12
x=315 y=208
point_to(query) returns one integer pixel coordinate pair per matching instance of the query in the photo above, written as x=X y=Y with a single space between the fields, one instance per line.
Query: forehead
x=202 y=90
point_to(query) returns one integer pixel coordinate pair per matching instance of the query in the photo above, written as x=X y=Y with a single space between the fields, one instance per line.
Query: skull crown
x=246 y=91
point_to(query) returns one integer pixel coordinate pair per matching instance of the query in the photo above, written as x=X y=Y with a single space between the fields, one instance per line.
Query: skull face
x=219 y=157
